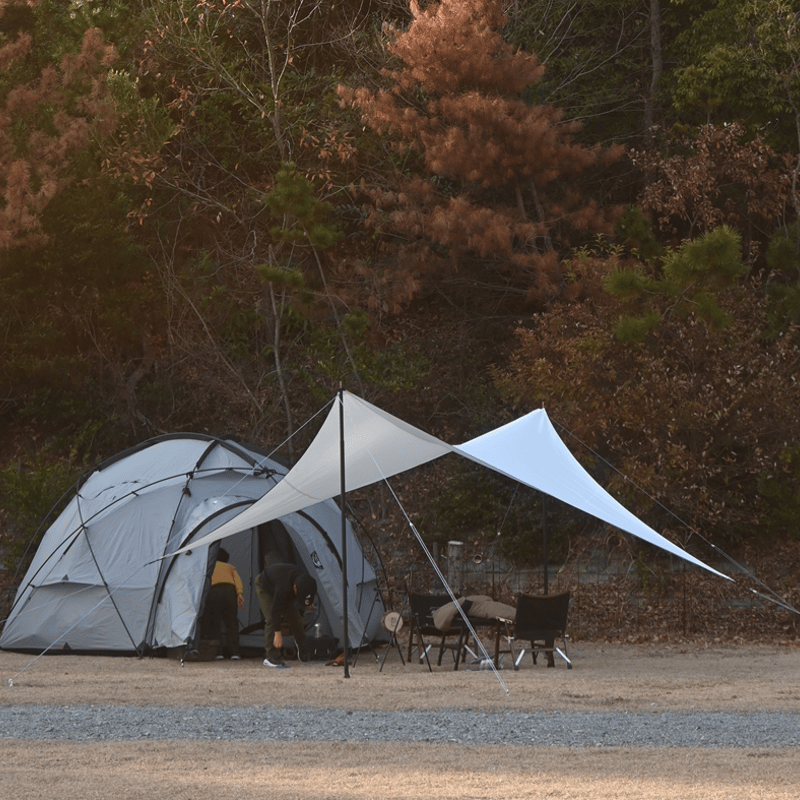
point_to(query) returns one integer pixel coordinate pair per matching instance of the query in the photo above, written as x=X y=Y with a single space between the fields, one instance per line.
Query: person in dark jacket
x=281 y=588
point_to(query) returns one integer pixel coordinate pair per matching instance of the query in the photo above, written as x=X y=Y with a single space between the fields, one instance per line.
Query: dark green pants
x=289 y=613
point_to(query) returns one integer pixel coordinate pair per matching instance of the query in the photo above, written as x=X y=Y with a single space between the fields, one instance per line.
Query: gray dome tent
x=99 y=582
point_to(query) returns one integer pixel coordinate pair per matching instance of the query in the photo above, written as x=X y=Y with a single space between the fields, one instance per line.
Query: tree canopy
x=212 y=214
x=489 y=181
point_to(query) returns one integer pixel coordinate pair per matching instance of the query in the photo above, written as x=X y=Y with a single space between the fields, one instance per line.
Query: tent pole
x=544 y=543
x=345 y=642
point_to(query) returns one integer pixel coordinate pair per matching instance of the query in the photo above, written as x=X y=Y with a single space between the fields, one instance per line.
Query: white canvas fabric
x=95 y=581
x=530 y=451
x=377 y=446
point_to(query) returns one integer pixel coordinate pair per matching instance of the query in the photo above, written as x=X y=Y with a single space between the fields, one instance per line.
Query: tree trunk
x=657 y=65
x=276 y=355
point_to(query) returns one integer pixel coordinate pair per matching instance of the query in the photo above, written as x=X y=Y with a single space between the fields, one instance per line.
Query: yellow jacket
x=226 y=573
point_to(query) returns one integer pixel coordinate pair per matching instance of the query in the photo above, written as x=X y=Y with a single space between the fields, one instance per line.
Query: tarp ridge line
x=772 y=597
x=441 y=577
x=74 y=625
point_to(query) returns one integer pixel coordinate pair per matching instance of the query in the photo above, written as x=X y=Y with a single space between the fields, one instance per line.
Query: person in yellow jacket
x=226 y=593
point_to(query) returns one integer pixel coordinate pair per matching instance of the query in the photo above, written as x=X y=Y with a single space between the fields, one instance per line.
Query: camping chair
x=542 y=620
x=422 y=608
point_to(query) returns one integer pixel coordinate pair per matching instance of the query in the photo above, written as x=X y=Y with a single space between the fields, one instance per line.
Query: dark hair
x=306 y=588
x=223 y=555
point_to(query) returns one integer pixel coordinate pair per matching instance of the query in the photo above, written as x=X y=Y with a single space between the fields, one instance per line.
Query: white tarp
x=530 y=451
x=377 y=446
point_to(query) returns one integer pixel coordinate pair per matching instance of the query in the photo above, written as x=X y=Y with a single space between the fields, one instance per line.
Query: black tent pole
x=346 y=643
x=544 y=543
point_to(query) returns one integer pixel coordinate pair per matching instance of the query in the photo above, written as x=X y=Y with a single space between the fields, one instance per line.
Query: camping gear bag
x=321 y=648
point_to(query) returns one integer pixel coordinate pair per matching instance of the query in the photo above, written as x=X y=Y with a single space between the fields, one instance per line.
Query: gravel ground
x=690 y=720
x=86 y=723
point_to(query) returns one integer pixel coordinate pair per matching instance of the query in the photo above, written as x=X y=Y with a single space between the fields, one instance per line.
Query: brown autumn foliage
x=697 y=418
x=75 y=100
x=489 y=184
x=718 y=177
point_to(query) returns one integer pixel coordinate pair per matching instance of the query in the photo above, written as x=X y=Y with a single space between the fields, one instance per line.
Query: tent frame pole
x=343 y=492
x=545 y=555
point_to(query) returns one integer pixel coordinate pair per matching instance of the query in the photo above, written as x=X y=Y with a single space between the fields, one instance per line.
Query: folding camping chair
x=422 y=608
x=542 y=621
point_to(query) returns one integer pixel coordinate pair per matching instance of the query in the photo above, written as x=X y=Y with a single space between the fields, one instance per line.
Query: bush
x=33 y=493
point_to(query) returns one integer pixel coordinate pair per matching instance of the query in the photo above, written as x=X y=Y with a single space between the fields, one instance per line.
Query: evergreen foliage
x=687 y=398
x=31 y=493
x=689 y=279
x=723 y=76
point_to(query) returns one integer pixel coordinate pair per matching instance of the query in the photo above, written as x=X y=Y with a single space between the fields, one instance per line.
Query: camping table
x=498 y=626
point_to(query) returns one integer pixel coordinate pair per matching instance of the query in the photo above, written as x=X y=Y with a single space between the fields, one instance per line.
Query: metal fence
x=625 y=593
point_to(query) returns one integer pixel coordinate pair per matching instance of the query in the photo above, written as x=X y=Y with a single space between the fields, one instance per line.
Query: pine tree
x=489 y=183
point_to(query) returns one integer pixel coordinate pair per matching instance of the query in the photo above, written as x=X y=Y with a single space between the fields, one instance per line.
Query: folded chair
x=422 y=607
x=542 y=621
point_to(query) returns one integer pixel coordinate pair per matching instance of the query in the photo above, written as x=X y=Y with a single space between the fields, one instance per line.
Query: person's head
x=305 y=587
x=223 y=555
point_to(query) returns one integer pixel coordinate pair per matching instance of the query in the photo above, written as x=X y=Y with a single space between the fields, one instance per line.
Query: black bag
x=320 y=648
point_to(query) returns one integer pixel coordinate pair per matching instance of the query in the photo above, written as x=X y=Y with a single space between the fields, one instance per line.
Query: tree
x=255 y=128
x=70 y=279
x=694 y=408
x=693 y=183
x=487 y=187
x=44 y=124
x=689 y=281
x=738 y=61
x=604 y=62
x=783 y=283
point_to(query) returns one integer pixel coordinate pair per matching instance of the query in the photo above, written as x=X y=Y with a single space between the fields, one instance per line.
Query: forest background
x=213 y=213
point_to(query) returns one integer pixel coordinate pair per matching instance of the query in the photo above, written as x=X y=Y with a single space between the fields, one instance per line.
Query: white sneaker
x=277 y=663
x=234 y=658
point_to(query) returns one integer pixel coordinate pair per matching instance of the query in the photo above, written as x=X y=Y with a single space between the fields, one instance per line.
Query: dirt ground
x=605 y=677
